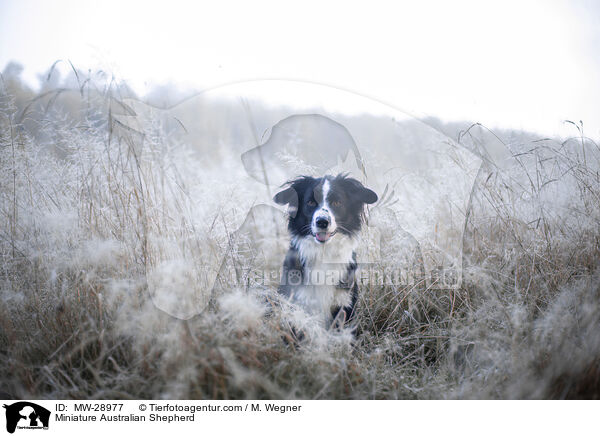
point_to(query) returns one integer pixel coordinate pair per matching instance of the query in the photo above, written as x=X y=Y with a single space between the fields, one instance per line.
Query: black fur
x=348 y=191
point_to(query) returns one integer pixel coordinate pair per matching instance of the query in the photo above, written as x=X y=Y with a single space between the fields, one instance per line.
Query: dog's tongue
x=322 y=236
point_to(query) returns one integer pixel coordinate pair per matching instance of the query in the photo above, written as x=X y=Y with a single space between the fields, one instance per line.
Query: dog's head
x=323 y=207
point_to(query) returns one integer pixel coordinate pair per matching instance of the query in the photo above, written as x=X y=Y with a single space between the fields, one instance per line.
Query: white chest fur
x=325 y=266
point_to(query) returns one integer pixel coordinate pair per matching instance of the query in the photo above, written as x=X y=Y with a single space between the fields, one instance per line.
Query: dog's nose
x=322 y=222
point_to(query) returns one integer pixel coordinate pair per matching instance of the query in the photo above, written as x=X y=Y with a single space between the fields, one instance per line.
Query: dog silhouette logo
x=26 y=415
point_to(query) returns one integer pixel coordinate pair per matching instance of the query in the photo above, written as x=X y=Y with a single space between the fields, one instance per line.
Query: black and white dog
x=325 y=217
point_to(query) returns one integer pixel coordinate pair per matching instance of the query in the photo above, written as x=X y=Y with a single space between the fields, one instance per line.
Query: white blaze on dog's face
x=321 y=208
x=323 y=223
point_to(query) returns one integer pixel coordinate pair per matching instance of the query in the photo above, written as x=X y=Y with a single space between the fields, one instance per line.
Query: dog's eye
x=336 y=203
x=311 y=203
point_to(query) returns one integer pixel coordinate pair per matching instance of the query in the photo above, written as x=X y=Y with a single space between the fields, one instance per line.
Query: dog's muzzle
x=322 y=230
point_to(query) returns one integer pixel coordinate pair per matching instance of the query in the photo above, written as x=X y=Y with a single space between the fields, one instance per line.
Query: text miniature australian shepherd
x=325 y=217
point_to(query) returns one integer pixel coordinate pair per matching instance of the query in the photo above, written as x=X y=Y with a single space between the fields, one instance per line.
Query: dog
x=319 y=270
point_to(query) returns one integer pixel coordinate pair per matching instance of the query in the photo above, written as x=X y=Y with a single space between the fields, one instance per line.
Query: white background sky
x=512 y=64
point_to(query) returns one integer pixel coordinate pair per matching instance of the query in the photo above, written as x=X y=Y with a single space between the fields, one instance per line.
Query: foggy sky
x=527 y=65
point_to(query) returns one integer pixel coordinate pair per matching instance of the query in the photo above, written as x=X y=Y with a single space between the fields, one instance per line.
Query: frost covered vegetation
x=85 y=217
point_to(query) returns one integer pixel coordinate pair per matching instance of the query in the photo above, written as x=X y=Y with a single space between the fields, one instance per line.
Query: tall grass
x=101 y=222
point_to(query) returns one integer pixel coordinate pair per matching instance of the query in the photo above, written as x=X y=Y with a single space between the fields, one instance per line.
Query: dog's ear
x=287 y=196
x=363 y=194
x=368 y=196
